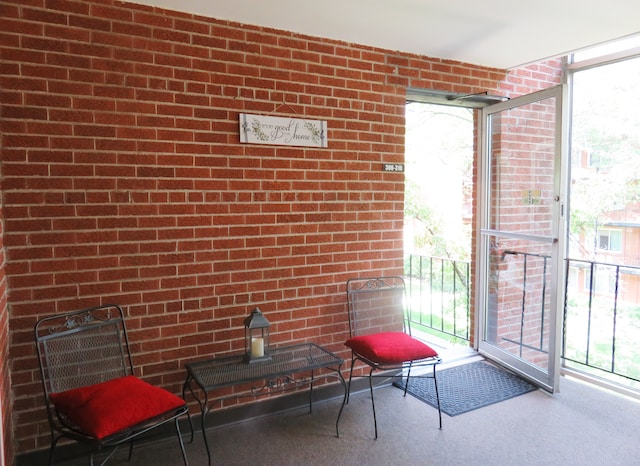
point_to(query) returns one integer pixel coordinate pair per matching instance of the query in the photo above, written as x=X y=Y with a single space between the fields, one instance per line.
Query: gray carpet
x=579 y=426
x=467 y=387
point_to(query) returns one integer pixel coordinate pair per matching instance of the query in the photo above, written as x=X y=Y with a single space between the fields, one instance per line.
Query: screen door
x=521 y=242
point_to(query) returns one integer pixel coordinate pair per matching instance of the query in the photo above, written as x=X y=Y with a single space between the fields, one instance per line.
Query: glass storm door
x=521 y=235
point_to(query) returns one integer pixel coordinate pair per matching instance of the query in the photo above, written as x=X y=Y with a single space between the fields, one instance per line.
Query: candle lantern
x=256 y=337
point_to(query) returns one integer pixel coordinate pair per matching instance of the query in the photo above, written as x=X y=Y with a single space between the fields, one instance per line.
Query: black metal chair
x=380 y=334
x=90 y=391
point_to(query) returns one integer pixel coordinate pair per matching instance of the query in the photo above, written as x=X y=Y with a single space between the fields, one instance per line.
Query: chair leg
x=54 y=442
x=130 y=450
x=353 y=361
x=406 y=385
x=108 y=457
x=184 y=454
x=373 y=403
x=435 y=383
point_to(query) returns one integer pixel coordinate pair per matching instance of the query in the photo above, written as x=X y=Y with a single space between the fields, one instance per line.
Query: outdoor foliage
x=438 y=298
x=605 y=146
x=602 y=339
x=438 y=196
x=439 y=163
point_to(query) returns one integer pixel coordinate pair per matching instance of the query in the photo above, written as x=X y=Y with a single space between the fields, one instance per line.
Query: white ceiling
x=494 y=33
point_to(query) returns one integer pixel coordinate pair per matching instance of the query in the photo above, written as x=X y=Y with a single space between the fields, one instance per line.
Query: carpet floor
x=580 y=425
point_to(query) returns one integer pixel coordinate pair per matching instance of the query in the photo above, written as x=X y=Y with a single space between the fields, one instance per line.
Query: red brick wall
x=6 y=440
x=124 y=179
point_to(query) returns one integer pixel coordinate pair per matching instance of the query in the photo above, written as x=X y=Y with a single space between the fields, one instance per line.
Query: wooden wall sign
x=282 y=131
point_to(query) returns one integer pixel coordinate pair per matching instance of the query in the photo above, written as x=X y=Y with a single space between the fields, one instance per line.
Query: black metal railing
x=438 y=292
x=602 y=318
x=601 y=312
x=540 y=264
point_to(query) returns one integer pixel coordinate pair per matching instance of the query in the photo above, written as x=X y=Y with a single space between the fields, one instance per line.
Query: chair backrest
x=376 y=305
x=82 y=348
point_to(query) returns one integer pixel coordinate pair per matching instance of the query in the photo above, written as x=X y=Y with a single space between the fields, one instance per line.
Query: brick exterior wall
x=6 y=439
x=124 y=180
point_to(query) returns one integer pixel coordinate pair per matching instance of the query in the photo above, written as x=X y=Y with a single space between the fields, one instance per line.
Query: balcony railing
x=439 y=293
x=601 y=321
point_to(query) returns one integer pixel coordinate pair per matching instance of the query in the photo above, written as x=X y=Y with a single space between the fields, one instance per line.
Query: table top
x=230 y=370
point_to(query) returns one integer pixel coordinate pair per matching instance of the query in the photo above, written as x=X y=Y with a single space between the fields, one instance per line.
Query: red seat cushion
x=109 y=407
x=390 y=347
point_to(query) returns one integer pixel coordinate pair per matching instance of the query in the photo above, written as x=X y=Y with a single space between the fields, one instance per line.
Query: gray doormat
x=468 y=387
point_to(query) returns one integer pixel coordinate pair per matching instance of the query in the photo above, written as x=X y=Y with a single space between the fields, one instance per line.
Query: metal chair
x=90 y=391
x=380 y=334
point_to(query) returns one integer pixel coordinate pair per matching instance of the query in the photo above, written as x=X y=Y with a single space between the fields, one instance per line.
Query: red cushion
x=106 y=408
x=390 y=347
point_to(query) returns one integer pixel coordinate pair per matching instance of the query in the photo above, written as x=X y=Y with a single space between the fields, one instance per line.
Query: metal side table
x=278 y=373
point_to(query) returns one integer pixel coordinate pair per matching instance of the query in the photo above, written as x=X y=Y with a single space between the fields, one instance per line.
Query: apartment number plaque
x=393 y=167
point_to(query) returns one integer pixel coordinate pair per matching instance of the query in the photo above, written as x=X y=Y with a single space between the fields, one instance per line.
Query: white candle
x=257 y=347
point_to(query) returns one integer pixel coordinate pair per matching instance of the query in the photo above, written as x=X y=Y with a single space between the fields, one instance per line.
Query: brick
x=124 y=178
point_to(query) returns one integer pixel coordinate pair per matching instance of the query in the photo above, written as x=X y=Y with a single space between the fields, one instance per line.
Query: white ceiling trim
x=493 y=33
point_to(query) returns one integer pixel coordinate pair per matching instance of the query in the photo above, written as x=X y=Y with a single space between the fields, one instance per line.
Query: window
x=608 y=49
x=604 y=280
x=610 y=240
x=599 y=161
x=604 y=139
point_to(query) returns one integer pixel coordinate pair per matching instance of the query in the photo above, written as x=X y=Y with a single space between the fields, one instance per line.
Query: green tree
x=439 y=163
x=605 y=146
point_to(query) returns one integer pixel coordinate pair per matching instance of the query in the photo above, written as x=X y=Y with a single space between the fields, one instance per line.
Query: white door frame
x=549 y=379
